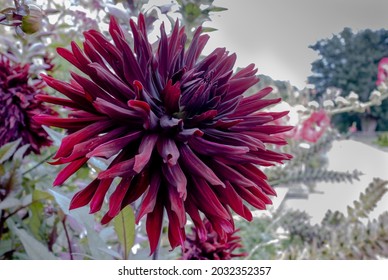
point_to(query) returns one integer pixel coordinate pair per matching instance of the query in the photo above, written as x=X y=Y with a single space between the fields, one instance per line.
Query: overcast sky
x=275 y=34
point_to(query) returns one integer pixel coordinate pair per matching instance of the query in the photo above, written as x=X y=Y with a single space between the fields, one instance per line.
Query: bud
x=32 y=22
x=313 y=105
x=353 y=97
x=328 y=104
x=341 y=101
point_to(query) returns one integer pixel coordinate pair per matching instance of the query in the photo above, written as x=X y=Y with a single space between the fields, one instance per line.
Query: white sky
x=275 y=34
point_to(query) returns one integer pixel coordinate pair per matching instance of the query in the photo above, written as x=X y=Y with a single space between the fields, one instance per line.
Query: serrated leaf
x=34 y=249
x=124 y=225
x=7 y=150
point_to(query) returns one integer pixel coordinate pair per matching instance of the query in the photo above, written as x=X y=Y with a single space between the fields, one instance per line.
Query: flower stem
x=39 y=163
x=68 y=238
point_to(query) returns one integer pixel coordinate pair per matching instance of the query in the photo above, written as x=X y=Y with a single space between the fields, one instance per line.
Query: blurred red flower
x=18 y=105
x=208 y=246
x=382 y=70
x=313 y=128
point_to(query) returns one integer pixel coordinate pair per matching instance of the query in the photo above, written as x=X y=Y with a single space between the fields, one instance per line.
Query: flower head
x=210 y=246
x=177 y=129
x=18 y=105
x=382 y=71
x=314 y=127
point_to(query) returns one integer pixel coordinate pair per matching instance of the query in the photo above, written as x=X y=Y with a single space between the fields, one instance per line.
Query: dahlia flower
x=211 y=247
x=177 y=129
x=18 y=105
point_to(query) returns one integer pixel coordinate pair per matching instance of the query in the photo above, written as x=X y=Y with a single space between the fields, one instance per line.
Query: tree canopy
x=348 y=61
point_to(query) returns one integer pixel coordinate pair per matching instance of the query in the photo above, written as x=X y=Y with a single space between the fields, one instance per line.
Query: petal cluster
x=18 y=106
x=211 y=247
x=176 y=128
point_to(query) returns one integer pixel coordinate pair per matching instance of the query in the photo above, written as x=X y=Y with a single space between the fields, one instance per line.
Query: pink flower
x=382 y=71
x=314 y=127
x=179 y=132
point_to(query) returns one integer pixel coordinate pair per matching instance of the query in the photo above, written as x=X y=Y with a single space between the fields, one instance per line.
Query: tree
x=348 y=61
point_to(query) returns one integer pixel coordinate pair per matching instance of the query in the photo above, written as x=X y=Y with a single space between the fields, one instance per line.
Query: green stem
x=67 y=238
x=38 y=164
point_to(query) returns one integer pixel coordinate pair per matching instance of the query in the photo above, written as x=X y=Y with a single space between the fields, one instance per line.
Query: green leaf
x=216 y=9
x=124 y=225
x=19 y=154
x=81 y=215
x=41 y=195
x=36 y=218
x=55 y=136
x=62 y=200
x=34 y=249
x=208 y=29
x=192 y=11
x=5 y=246
x=7 y=150
x=10 y=202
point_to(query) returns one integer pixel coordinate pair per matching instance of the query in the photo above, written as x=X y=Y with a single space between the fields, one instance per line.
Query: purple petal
x=168 y=150
x=145 y=151
x=197 y=167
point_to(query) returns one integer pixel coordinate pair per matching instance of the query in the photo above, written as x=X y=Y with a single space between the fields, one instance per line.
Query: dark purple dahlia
x=177 y=129
x=211 y=246
x=18 y=105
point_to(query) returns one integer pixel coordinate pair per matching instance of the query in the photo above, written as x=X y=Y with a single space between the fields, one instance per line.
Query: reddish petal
x=84 y=196
x=170 y=96
x=206 y=199
x=177 y=205
x=117 y=197
x=112 y=147
x=176 y=233
x=197 y=167
x=145 y=151
x=99 y=196
x=168 y=150
x=154 y=225
x=138 y=186
x=149 y=199
x=124 y=168
x=69 y=170
x=192 y=210
x=175 y=177
x=86 y=133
